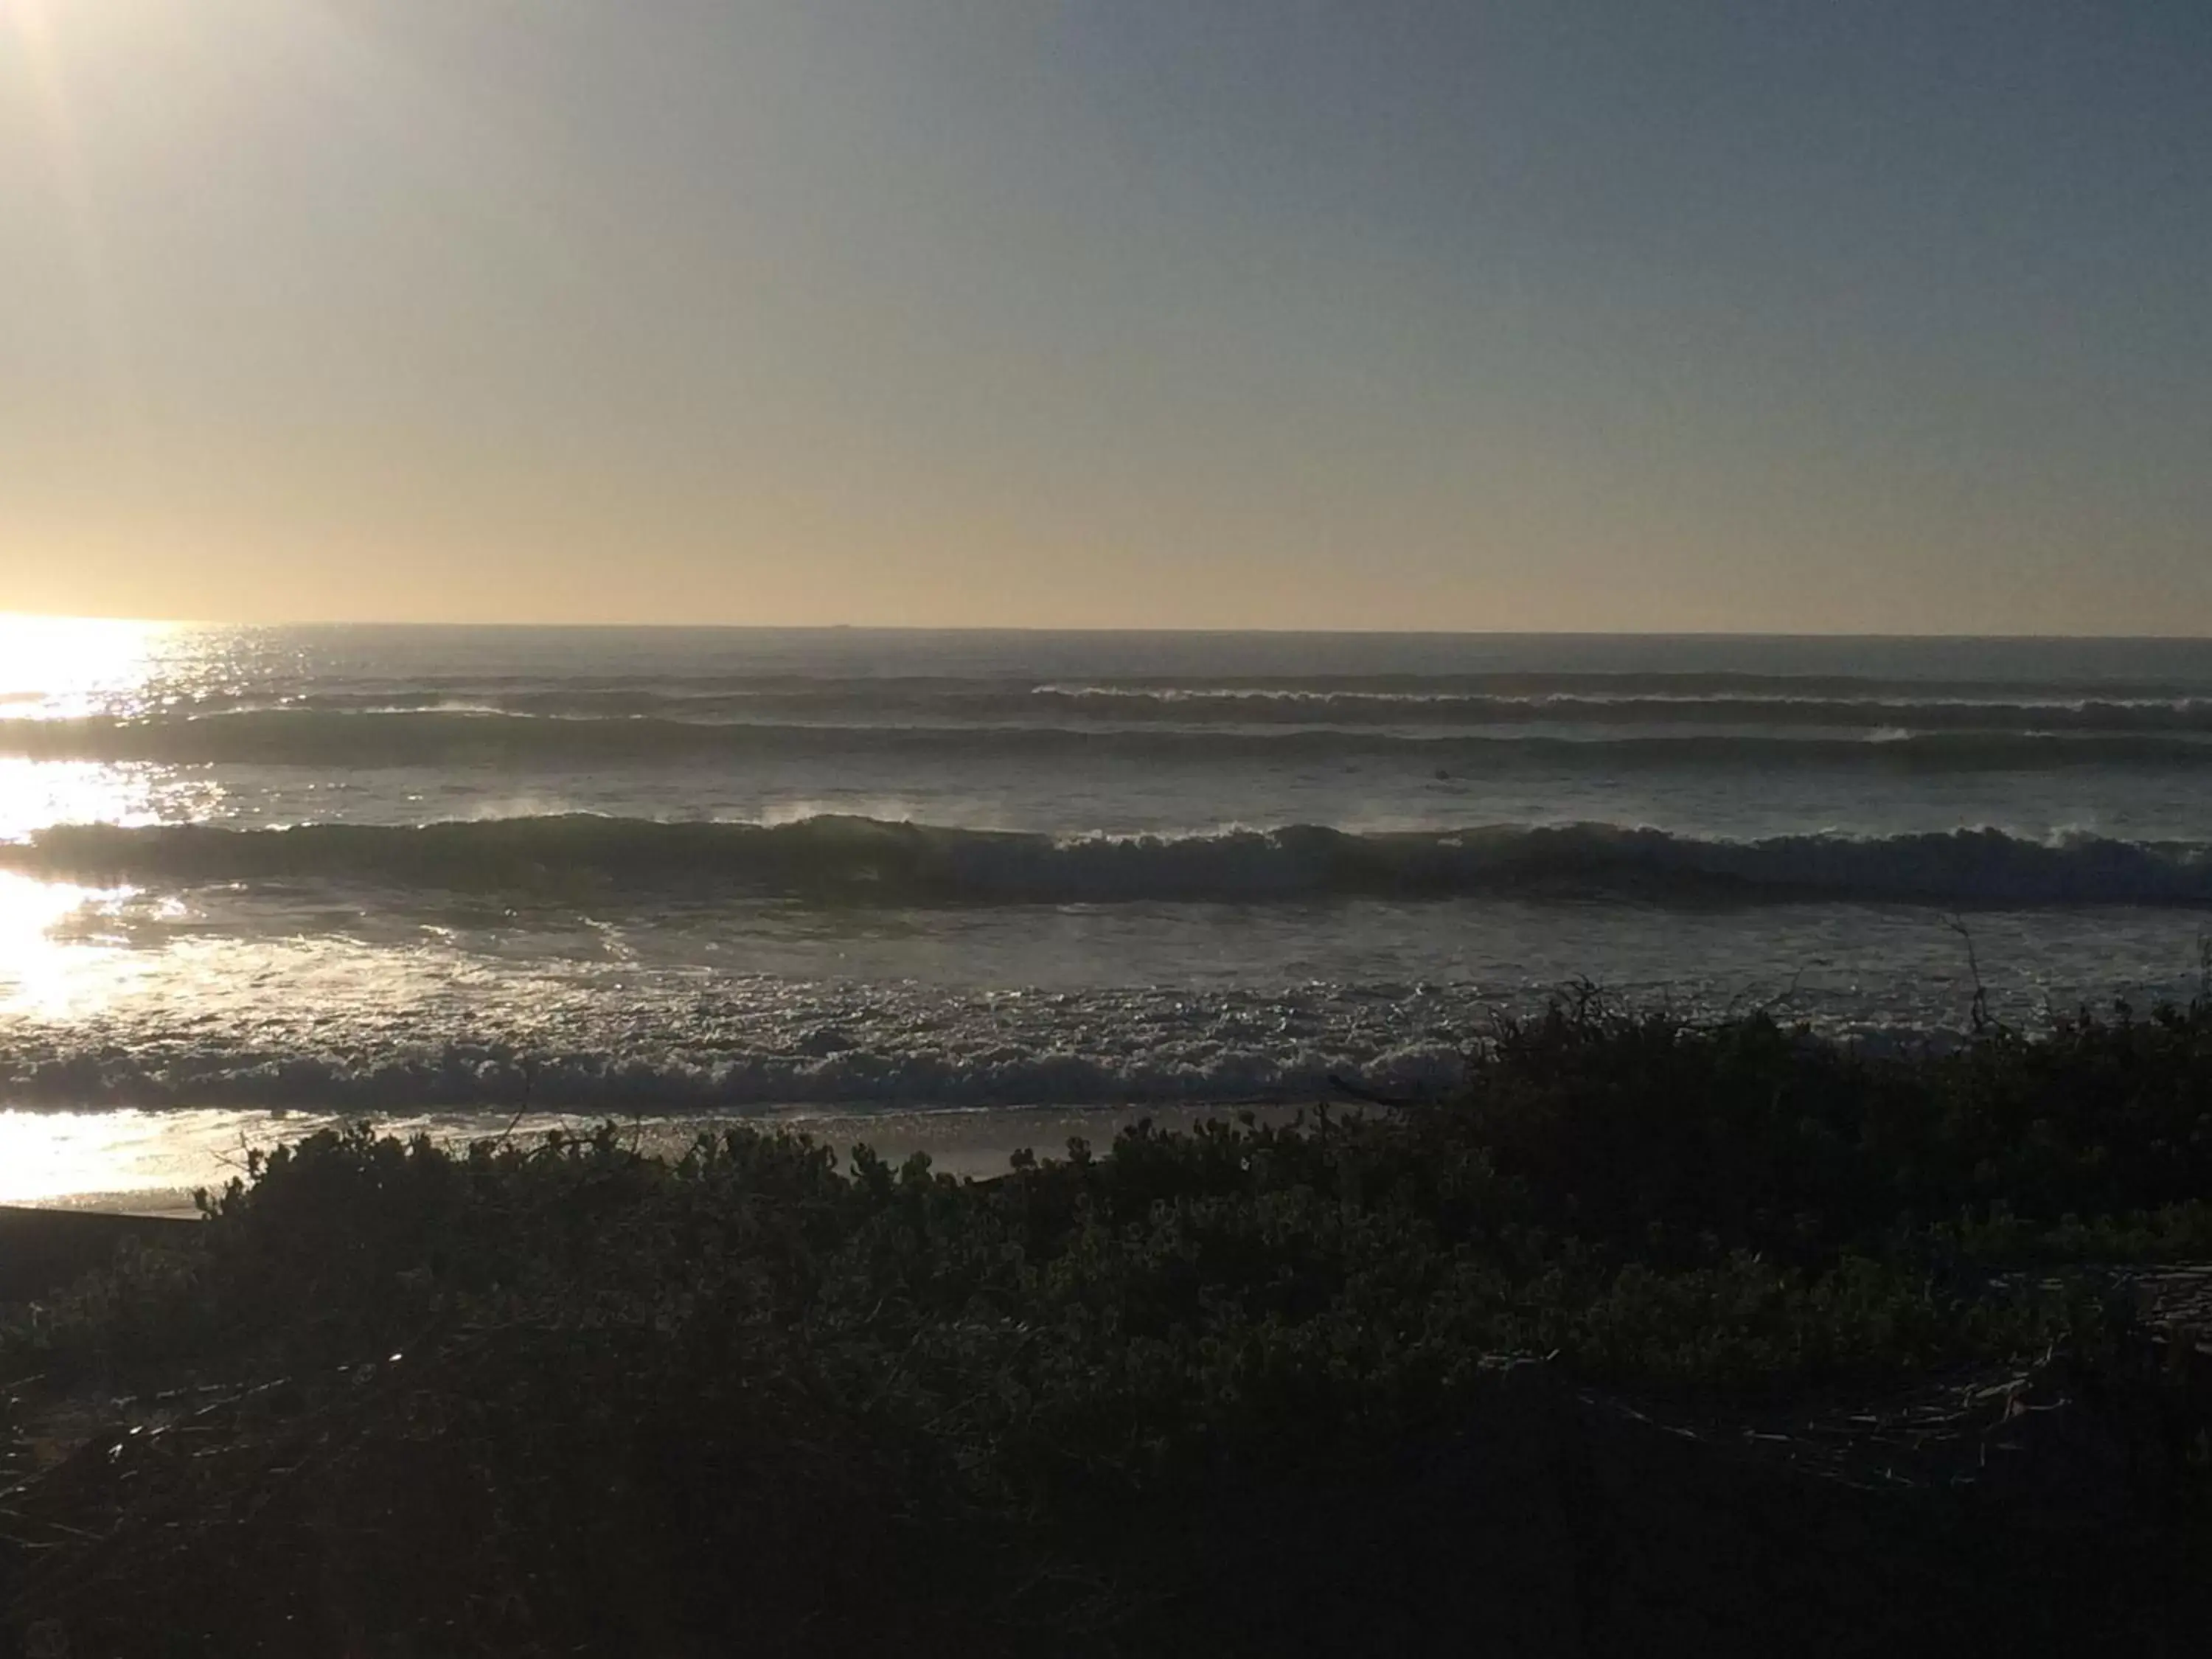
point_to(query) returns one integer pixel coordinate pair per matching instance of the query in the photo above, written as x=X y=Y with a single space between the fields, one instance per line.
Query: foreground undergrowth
x=566 y=1397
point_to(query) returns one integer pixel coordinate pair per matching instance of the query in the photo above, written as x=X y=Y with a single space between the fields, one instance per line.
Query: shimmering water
x=473 y=871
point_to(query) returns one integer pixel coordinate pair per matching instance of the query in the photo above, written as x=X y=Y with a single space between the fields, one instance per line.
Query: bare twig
x=1980 y=1008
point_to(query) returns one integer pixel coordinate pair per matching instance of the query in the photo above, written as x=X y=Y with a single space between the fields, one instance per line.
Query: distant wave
x=866 y=861
x=902 y=704
x=1637 y=684
x=892 y=689
x=449 y=736
x=1607 y=707
x=1185 y=706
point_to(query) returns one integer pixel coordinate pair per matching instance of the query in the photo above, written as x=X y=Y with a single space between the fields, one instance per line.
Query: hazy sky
x=1838 y=314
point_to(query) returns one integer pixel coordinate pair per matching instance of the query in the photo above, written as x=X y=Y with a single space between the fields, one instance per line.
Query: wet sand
x=149 y=1163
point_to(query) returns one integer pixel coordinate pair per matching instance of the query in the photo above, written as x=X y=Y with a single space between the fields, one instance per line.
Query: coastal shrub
x=1670 y=1140
x=1714 y=1188
x=601 y=1378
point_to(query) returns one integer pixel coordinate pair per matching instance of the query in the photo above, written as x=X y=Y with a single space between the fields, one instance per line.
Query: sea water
x=473 y=873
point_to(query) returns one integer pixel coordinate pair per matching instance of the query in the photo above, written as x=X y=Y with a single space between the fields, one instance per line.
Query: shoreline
x=1797 y=1347
x=129 y=1162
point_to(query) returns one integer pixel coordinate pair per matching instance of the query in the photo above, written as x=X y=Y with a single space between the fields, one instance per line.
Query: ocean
x=253 y=879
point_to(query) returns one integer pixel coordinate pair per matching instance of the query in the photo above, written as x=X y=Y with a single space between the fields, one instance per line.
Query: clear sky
x=1781 y=315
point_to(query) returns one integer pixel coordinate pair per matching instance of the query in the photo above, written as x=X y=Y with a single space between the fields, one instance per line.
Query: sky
x=1777 y=316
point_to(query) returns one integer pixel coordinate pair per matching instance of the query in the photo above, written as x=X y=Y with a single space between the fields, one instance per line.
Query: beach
x=137 y=1163
x=899 y=1098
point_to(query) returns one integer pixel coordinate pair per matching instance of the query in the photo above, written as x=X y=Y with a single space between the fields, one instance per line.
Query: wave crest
x=868 y=861
x=452 y=736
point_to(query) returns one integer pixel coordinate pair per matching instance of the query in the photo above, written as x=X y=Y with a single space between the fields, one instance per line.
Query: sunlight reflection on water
x=37 y=793
x=50 y=1156
x=41 y=973
x=62 y=667
x=152 y=1161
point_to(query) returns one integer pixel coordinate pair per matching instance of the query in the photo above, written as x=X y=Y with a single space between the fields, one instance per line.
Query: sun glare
x=40 y=50
x=28 y=16
x=56 y=668
x=45 y=1155
x=36 y=968
x=49 y=1156
x=65 y=665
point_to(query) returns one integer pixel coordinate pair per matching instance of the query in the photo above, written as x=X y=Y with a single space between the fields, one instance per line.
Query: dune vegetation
x=1185 y=1392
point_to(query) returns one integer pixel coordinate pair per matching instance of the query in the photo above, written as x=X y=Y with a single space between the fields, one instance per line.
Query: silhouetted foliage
x=569 y=1395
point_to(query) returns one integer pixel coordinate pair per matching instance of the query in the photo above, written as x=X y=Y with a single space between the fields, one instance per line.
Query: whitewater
x=484 y=872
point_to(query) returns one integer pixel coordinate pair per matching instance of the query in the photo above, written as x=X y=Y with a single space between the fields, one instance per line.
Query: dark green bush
x=625 y=1371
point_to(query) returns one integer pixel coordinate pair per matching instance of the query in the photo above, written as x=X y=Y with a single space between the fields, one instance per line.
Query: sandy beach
x=149 y=1163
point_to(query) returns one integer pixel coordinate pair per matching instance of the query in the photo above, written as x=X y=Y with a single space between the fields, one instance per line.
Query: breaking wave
x=478 y=1075
x=899 y=704
x=451 y=735
x=869 y=861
